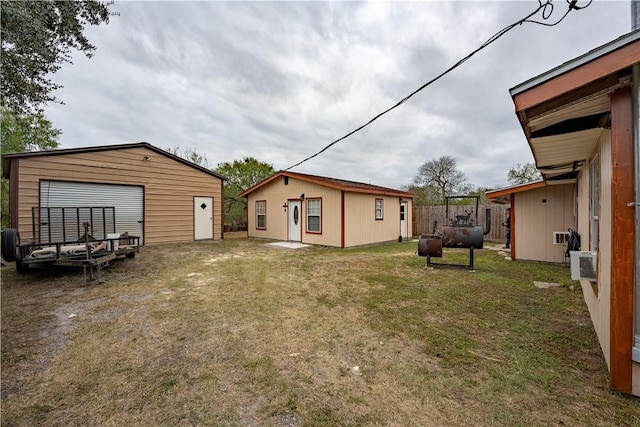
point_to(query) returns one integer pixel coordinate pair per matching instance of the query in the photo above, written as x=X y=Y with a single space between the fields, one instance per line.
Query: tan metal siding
x=599 y=304
x=537 y=220
x=276 y=219
x=331 y=216
x=169 y=187
x=362 y=228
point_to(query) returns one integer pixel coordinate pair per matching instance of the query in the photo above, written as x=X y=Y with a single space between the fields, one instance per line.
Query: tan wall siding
x=537 y=220
x=331 y=217
x=276 y=216
x=169 y=188
x=598 y=302
x=361 y=225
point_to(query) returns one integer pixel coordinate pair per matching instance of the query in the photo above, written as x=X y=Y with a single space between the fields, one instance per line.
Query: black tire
x=22 y=267
x=131 y=255
x=10 y=242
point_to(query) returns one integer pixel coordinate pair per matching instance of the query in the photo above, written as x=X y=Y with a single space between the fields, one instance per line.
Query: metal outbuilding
x=158 y=196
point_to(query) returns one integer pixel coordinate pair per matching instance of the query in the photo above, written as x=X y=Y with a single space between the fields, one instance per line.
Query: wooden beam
x=623 y=240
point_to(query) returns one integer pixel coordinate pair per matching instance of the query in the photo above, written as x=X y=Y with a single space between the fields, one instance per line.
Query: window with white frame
x=314 y=215
x=261 y=214
x=379 y=209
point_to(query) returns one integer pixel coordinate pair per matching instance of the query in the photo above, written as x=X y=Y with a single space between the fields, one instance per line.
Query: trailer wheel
x=10 y=242
x=131 y=255
x=22 y=267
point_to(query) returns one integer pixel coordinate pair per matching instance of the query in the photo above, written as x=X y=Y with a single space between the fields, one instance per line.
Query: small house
x=326 y=211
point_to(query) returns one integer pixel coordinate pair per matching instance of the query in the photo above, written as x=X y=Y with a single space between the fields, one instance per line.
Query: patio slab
x=288 y=245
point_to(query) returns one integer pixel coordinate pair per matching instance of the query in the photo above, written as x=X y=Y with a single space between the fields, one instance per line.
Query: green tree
x=31 y=132
x=523 y=174
x=482 y=192
x=37 y=38
x=241 y=174
x=440 y=178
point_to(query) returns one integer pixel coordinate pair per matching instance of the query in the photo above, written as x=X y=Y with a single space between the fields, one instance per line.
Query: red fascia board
x=615 y=61
x=327 y=182
x=517 y=189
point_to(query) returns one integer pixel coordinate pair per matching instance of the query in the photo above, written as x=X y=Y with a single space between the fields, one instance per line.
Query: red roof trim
x=501 y=192
x=338 y=184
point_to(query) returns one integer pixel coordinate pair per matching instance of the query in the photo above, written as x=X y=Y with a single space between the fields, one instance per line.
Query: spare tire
x=10 y=242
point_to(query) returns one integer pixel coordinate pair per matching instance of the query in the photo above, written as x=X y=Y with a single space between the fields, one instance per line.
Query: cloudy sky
x=280 y=80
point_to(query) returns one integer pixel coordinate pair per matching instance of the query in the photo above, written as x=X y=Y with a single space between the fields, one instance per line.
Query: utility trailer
x=70 y=236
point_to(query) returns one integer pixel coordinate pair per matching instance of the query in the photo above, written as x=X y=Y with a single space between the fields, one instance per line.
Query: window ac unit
x=583 y=265
x=560 y=237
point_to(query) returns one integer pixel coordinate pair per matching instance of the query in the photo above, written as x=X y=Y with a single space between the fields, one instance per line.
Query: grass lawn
x=236 y=333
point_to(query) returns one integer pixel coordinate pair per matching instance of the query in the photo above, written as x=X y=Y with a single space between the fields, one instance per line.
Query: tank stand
x=470 y=266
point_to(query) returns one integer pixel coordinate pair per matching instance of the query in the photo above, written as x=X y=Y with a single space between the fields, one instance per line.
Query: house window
x=314 y=215
x=261 y=214
x=379 y=208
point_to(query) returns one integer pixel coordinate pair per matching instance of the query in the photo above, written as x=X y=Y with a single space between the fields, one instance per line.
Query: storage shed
x=541 y=216
x=158 y=196
x=326 y=211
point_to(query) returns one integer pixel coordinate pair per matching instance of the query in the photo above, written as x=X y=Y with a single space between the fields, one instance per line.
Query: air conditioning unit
x=583 y=265
x=560 y=237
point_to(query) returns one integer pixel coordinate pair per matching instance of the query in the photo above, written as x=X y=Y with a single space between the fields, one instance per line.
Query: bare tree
x=190 y=154
x=441 y=178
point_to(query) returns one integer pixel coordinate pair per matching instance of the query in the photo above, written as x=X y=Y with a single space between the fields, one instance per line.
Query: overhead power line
x=545 y=8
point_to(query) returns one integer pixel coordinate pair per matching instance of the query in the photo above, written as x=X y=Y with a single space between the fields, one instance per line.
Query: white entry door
x=295 y=221
x=202 y=218
x=404 y=231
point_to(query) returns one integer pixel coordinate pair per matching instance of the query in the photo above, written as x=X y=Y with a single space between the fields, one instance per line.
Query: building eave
x=342 y=185
x=6 y=158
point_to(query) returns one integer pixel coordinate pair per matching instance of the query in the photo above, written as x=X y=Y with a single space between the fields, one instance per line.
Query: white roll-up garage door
x=126 y=199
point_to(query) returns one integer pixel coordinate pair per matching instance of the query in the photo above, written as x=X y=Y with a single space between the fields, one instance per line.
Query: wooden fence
x=424 y=217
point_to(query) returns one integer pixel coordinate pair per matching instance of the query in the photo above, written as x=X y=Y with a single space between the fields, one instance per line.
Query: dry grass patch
x=238 y=333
